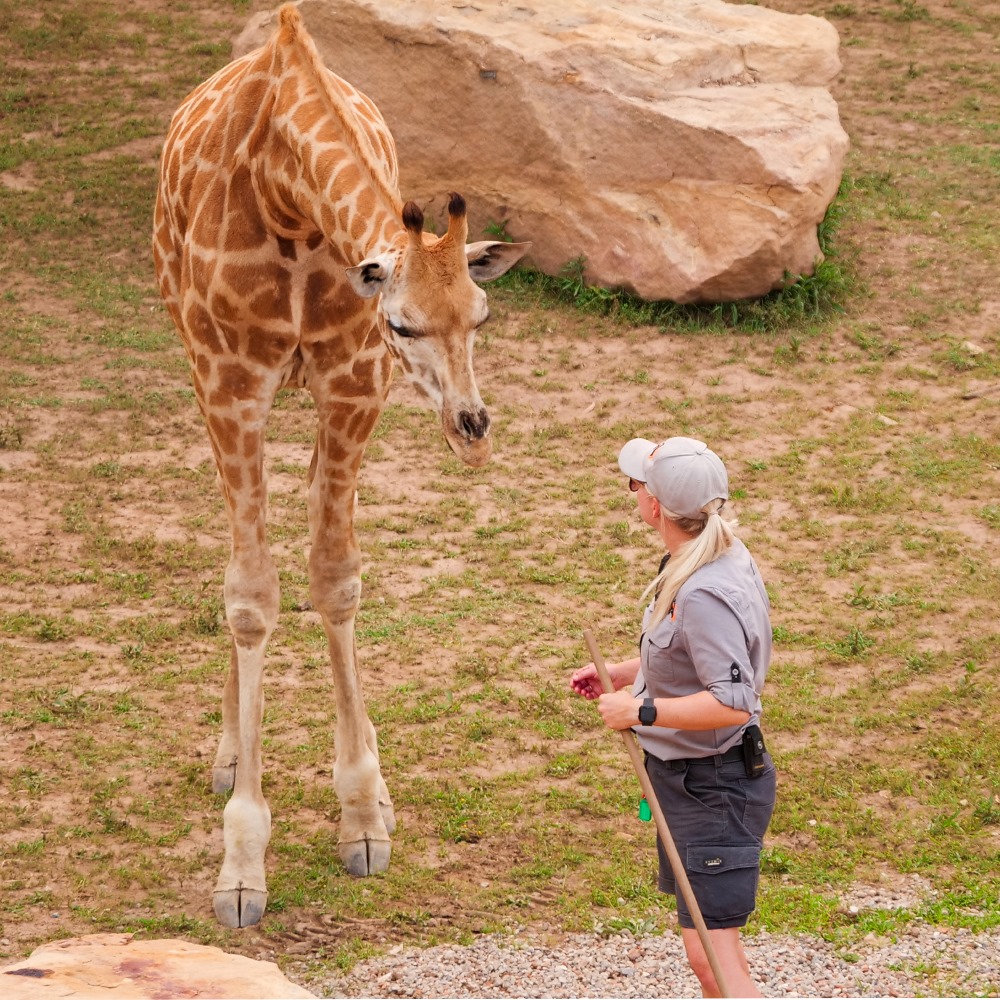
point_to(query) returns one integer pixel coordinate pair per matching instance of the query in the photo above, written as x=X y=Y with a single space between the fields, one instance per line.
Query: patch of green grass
x=803 y=299
x=908 y=10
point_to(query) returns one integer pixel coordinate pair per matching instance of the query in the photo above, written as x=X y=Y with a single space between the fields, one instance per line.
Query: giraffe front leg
x=251 y=599
x=367 y=818
x=224 y=769
x=240 y=895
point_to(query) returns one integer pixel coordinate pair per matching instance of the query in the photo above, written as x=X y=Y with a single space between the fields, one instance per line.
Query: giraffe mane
x=293 y=34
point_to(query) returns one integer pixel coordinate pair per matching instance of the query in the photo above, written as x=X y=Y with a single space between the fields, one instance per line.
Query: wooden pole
x=680 y=875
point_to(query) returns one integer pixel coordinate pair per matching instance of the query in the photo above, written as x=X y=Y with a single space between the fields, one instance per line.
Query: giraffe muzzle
x=473 y=425
x=467 y=431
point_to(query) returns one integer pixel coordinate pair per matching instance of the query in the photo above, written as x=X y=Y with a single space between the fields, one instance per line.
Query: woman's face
x=649 y=506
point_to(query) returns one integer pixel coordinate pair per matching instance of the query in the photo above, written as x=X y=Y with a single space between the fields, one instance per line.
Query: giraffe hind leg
x=224 y=778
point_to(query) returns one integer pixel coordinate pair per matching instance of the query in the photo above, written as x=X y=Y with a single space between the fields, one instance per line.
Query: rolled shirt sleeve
x=717 y=644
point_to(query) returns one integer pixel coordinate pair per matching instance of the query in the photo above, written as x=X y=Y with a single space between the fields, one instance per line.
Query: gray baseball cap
x=682 y=473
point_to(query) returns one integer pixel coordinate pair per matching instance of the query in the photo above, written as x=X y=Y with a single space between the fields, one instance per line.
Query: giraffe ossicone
x=286 y=258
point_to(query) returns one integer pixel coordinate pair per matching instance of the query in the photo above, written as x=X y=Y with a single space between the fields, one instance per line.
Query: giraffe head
x=428 y=312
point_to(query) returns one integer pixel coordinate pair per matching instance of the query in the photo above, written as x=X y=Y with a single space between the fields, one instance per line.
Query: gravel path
x=923 y=961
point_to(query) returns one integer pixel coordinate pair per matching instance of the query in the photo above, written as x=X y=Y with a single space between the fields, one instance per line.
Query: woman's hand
x=586 y=683
x=619 y=710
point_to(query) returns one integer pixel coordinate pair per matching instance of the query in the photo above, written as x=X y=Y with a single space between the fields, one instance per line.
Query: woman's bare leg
x=728 y=948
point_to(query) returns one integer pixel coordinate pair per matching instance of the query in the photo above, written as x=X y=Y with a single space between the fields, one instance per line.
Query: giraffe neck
x=325 y=162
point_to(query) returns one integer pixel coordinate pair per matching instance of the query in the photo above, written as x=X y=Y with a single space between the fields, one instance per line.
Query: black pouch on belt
x=753 y=751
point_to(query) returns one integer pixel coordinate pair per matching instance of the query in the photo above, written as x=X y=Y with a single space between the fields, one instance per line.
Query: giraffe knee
x=249 y=627
x=337 y=600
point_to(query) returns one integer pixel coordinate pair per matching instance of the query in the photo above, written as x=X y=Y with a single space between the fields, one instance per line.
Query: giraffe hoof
x=365 y=857
x=239 y=907
x=223 y=779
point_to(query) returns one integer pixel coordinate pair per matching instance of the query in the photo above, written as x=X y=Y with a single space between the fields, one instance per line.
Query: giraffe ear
x=489 y=260
x=369 y=277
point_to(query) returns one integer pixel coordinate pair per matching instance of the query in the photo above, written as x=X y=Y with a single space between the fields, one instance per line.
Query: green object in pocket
x=645 y=813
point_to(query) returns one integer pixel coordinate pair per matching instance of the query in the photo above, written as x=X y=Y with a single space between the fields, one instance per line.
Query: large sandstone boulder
x=119 y=967
x=687 y=149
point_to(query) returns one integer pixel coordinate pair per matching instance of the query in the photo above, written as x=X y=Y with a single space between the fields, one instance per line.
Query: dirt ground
x=929 y=304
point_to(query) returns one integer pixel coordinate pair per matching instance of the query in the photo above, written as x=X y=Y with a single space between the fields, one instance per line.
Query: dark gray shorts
x=717 y=818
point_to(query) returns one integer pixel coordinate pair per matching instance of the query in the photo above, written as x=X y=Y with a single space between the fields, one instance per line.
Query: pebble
x=923 y=960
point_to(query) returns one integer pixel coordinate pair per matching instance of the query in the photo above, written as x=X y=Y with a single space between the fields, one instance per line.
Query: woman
x=693 y=696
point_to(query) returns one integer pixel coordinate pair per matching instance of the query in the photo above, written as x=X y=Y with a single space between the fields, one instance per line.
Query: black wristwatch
x=647 y=712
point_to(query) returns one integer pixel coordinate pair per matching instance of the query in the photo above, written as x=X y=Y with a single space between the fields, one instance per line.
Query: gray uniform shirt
x=718 y=638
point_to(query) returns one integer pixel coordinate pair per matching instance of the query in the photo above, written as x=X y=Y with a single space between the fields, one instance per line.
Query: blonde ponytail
x=713 y=535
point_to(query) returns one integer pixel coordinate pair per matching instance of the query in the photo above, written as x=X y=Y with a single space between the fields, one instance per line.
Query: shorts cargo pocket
x=724 y=879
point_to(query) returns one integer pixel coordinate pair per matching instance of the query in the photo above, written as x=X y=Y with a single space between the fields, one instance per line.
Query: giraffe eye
x=400 y=330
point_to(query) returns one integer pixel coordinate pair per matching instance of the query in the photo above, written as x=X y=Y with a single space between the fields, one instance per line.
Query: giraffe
x=286 y=258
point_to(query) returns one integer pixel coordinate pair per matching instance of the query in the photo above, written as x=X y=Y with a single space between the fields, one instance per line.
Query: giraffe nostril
x=474 y=424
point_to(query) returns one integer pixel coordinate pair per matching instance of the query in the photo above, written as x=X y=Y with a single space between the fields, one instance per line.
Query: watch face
x=647 y=714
